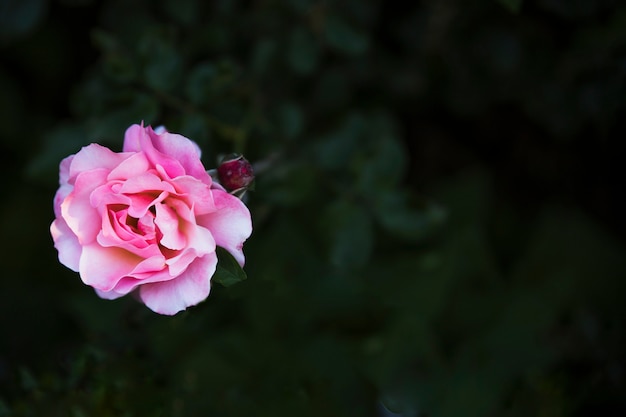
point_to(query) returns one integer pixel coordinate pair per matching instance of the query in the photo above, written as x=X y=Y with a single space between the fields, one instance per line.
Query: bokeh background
x=439 y=226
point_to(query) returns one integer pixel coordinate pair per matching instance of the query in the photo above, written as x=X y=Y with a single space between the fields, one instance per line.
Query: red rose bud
x=235 y=173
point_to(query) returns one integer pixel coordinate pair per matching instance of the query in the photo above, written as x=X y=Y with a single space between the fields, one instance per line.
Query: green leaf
x=194 y=125
x=351 y=234
x=57 y=144
x=4 y=409
x=12 y=108
x=344 y=38
x=262 y=55
x=513 y=6
x=108 y=128
x=400 y=216
x=333 y=91
x=29 y=382
x=288 y=184
x=200 y=82
x=104 y=40
x=467 y=197
x=163 y=65
x=303 y=51
x=290 y=119
x=566 y=249
x=228 y=271
x=183 y=11
x=18 y=17
x=466 y=395
x=335 y=150
x=208 y=79
x=300 y=6
x=384 y=159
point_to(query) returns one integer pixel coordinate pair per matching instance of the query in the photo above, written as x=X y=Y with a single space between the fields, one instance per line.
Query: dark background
x=439 y=225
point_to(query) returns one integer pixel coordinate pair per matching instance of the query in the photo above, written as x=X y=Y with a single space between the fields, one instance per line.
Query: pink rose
x=146 y=220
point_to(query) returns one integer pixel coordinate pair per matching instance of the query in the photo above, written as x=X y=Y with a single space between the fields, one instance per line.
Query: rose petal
x=105 y=195
x=132 y=138
x=177 y=154
x=182 y=149
x=113 y=235
x=141 y=203
x=136 y=164
x=60 y=196
x=200 y=241
x=129 y=283
x=148 y=270
x=109 y=295
x=230 y=225
x=170 y=166
x=168 y=223
x=144 y=183
x=66 y=243
x=64 y=170
x=188 y=289
x=103 y=267
x=76 y=209
x=198 y=194
x=93 y=157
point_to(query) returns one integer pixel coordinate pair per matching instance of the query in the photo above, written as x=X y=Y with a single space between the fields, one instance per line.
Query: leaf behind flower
x=228 y=271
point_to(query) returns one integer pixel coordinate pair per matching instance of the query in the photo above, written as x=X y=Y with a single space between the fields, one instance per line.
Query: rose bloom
x=146 y=220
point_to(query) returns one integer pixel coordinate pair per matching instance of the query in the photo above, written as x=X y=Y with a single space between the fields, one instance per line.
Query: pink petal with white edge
x=64 y=170
x=230 y=225
x=109 y=295
x=188 y=289
x=66 y=243
x=129 y=283
x=76 y=209
x=60 y=196
x=102 y=267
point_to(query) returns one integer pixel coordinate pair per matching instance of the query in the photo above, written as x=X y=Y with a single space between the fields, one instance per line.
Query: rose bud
x=235 y=173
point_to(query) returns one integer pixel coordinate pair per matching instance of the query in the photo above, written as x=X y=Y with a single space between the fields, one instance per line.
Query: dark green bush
x=437 y=218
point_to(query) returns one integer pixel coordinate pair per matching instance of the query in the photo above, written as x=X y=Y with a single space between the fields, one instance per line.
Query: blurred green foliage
x=436 y=222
